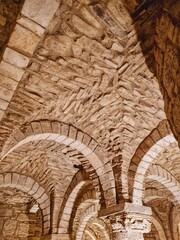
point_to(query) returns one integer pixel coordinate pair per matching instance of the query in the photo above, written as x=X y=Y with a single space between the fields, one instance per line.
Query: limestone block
x=40 y=11
x=9 y=227
x=8 y=83
x=34 y=27
x=3 y=104
x=15 y=178
x=5 y=94
x=7 y=179
x=11 y=71
x=22 y=230
x=15 y=58
x=59 y=45
x=84 y=28
x=6 y=212
x=23 y=40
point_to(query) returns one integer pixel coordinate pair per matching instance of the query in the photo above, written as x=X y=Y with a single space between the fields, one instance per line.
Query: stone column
x=56 y=237
x=128 y=221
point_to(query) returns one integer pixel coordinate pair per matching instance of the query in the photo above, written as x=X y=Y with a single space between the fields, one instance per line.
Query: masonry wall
x=17 y=224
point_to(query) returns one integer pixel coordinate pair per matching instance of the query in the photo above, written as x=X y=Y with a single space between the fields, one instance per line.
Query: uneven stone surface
x=85 y=89
x=15 y=221
x=9 y=11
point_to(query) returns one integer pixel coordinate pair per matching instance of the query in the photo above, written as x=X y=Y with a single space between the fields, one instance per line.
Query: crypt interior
x=89 y=120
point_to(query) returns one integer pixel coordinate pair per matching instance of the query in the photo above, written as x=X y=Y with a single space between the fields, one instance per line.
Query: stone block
x=18 y=135
x=34 y=27
x=34 y=189
x=59 y=45
x=9 y=227
x=3 y=104
x=72 y=132
x=36 y=126
x=29 y=183
x=23 y=40
x=84 y=28
x=5 y=94
x=11 y=71
x=46 y=126
x=7 y=179
x=40 y=11
x=56 y=128
x=21 y=181
x=8 y=83
x=15 y=178
x=15 y=58
x=64 y=129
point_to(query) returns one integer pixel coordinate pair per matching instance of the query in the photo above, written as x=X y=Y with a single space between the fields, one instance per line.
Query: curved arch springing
x=146 y=161
x=63 y=224
x=32 y=188
x=70 y=136
x=90 y=212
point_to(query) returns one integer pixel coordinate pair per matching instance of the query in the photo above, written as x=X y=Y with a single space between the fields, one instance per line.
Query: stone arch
x=152 y=194
x=90 y=234
x=90 y=212
x=84 y=199
x=146 y=161
x=100 y=224
x=156 y=135
x=32 y=22
x=159 y=228
x=159 y=174
x=70 y=136
x=32 y=188
x=77 y=184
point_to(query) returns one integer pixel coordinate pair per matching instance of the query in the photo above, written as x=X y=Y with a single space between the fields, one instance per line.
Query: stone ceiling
x=93 y=65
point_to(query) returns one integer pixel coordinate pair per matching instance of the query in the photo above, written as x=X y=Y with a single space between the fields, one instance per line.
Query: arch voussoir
x=68 y=135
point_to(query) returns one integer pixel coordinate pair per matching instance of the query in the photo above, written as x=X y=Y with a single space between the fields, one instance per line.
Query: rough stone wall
x=167 y=54
x=158 y=30
x=90 y=68
x=9 y=10
x=17 y=224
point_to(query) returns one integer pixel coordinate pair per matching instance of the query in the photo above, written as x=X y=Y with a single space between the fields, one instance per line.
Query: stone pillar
x=56 y=237
x=128 y=221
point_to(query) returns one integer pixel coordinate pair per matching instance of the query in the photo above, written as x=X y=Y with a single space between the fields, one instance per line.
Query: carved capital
x=117 y=222
x=128 y=222
x=138 y=224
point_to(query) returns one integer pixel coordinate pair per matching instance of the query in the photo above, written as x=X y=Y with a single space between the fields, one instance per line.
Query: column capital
x=128 y=221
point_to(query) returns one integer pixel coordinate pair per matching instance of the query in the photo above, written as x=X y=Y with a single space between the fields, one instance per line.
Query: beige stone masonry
x=40 y=11
x=89 y=212
x=95 y=157
x=68 y=209
x=29 y=186
x=165 y=178
x=145 y=163
x=130 y=221
x=22 y=44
